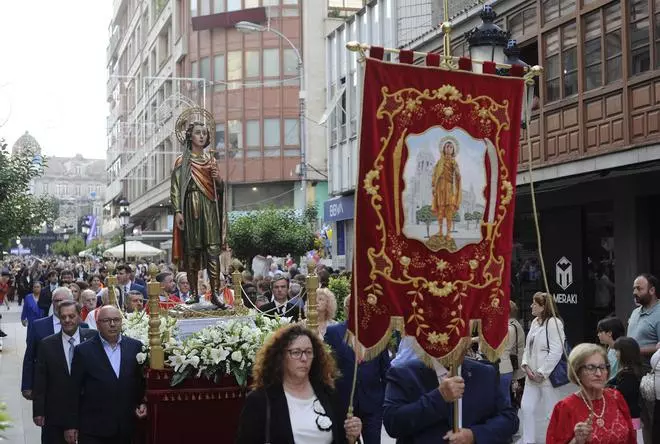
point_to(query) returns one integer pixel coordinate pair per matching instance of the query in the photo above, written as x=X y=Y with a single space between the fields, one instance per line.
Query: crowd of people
x=86 y=386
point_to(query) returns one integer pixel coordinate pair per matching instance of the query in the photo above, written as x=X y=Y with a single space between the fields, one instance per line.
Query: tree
x=476 y=217
x=274 y=232
x=468 y=217
x=71 y=247
x=21 y=213
x=341 y=288
x=426 y=216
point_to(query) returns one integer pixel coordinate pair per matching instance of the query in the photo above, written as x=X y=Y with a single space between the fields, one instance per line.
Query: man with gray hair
x=38 y=330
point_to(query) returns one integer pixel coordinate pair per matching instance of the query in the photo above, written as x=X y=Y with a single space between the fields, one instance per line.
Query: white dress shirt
x=65 y=344
x=113 y=354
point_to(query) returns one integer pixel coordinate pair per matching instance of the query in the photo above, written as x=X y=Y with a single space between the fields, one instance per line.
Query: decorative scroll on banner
x=434 y=207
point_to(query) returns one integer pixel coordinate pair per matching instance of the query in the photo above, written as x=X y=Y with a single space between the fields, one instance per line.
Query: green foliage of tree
x=272 y=231
x=71 y=247
x=341 y=287
x=467 y=217
x=457 y=217
x=425 y=215
x=21 y=213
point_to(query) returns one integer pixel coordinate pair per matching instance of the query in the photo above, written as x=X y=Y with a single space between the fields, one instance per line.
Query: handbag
x=647 y=386
x=559 y=375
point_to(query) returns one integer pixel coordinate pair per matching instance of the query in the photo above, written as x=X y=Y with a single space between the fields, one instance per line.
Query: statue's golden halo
x=191 y=115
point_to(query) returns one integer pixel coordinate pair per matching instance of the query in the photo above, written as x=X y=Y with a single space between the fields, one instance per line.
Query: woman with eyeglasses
x=594 y=413
x=294 y=399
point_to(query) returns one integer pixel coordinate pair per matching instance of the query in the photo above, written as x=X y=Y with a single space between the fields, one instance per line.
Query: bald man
x=108 y=387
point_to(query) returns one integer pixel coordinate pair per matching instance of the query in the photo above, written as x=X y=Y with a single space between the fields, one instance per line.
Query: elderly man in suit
x=52 y=377
x=38 y=330
x=419 y=403
x=107 y=385
x=370 y=388
x=280 y=304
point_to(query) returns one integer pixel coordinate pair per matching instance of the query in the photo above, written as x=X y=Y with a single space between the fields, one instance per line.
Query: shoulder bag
x=647 y=386
x=559 y=375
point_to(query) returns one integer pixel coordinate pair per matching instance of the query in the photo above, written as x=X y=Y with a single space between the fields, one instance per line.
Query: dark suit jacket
x=37 y=330
x=291 y=310
x=370 y=388
x=252 y=425
x=102 y=404
x=415 y=412
x=45 y=298
x=52 y=382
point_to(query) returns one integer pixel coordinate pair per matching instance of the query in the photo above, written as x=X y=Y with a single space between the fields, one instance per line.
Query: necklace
x=600 y=422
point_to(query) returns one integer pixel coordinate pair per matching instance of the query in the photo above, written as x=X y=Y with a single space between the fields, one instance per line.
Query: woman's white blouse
x=304 y=421
x=542 y=355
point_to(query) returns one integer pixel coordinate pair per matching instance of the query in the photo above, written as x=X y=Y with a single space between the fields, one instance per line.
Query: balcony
x=113 y=45
x=180 y=49
x=112 y=84
x=344 y=8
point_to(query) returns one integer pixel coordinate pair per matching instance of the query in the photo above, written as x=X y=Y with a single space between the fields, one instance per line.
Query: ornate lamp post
x=490 y=43
x=124 y=220
x=85 y=229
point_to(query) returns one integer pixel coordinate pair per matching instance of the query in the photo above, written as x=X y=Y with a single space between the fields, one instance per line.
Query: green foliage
x=5 y=422
x=341 y=287
x=311 y=215
x=457 y=217
x=22 y=213
x=425 y=214
x=275 y=232
x=72 y=247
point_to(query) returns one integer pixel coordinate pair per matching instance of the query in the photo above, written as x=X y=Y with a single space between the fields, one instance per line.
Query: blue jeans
x=505 y=387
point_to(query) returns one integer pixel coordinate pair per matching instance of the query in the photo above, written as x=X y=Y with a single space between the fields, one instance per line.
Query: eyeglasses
x=593 y=368
x=110 y=321
x=296 y=353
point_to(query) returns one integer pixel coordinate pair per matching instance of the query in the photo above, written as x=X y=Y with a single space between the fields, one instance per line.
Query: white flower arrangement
x=227 y=348
x=136 y=326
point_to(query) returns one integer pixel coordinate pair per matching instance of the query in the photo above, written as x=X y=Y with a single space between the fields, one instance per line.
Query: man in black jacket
x=46 y=298
x=52 y=376
x=280 y=305
x=107 y=385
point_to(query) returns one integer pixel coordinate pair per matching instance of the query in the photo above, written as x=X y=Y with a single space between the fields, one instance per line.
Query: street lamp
x=85 y=229
x=490 y=43
x=124 y=219
x=249 y=27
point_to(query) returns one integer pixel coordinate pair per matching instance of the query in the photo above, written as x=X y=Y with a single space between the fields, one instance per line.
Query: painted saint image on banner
x=445 y=181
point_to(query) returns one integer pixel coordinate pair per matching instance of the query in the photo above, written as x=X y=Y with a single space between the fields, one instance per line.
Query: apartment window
x=561 y=62
x=251 y=4
x=205 y=68
x=271 y=2
x=233 y=5
x=220 y=137
x=194 y=72
x=290 y=62
x=593 y=71
x=290 y=2
x=235 y=128
x=640 y=56
x=657 y=32
x=613 y=47
x=271 y=62
x=253 y=138
x=252 y=59
x=523 y=23
x=553 y=9
x=291 y=132
x=234 y=69
x=206 y=7
x=218 y=6
x=219 y=72
x=271 y=132
x=193 y=8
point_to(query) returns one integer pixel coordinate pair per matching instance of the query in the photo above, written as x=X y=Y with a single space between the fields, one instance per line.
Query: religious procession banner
x=434 y=206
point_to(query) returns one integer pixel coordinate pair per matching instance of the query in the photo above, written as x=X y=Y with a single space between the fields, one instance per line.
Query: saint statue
x=446 y=186
x=196 y=195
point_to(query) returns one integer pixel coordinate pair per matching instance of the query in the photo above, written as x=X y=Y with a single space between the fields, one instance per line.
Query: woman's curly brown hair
x=268 y=365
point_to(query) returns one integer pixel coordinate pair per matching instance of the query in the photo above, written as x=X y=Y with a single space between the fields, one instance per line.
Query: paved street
x=11 y=360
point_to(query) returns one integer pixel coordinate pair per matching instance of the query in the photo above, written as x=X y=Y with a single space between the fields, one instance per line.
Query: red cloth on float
x=618 y=427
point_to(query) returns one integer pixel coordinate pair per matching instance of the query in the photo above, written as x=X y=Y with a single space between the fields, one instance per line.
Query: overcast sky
x=53 y=75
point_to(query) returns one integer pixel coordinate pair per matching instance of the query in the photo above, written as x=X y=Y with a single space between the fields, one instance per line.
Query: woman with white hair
x=326 y=307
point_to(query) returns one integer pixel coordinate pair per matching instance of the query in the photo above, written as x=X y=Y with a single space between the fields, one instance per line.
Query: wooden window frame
x=607 y=60
x=630 y=24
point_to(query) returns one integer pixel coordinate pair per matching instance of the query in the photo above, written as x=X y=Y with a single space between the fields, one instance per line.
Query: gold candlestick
x=157 y=354
x=312 y=284
x=237 y=279
x=112 y=289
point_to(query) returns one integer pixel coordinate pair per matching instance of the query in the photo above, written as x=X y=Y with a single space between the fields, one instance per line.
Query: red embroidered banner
x=434 y=207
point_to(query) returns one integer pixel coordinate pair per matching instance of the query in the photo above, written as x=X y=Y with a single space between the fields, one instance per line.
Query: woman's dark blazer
x=252 y=425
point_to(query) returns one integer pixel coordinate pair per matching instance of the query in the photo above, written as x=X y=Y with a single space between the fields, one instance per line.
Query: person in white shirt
x=94 y=314
x=543 y=350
